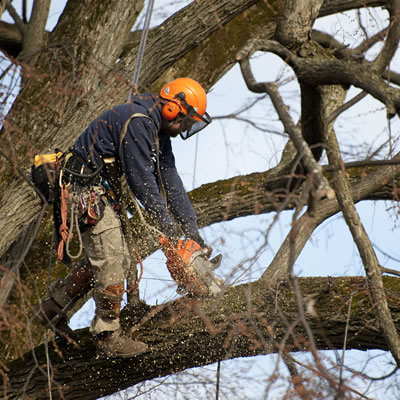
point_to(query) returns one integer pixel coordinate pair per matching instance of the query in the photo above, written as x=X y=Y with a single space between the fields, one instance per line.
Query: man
x=131 y=139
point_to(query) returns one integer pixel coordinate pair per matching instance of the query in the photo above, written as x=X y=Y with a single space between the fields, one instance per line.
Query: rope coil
x=66 y=232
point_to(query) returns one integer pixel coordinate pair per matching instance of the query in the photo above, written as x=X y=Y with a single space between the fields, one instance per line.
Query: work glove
x=190 y=268
x=198 y=239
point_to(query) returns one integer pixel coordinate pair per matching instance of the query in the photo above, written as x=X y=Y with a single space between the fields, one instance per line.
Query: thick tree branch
x=295 y=21
x=34 y=32
x=249 y=320
x=10 y=39
x=14 y=15
x=2 y=6
x=242 y=322
x=307 y=223
x=329 y=7
x=392 y=40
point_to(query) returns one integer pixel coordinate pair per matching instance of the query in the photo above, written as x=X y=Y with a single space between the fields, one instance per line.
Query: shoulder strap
x=157 y=146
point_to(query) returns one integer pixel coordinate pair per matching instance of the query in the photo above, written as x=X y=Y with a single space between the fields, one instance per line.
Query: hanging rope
x=142 y=45
x=136 y=285
x=66 y=232
x=195 y=161
x=63 y=230
x=218 y=380
x=46 y=348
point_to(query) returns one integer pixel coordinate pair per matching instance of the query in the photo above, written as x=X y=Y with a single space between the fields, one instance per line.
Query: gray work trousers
x=108 y=253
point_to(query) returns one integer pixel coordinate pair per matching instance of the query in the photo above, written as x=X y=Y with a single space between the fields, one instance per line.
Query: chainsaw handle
x=216 y=261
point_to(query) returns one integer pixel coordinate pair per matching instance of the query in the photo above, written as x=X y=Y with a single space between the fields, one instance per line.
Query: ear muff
x=170 y=111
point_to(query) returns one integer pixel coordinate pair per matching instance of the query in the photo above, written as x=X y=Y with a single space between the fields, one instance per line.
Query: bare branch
x=392 y=76
x=323 y=188
x=361 y=395
x=368 y=256
x=390 y=271
x=297 y=380
x=17 y=19
x=307 y=223
x=331 y=71
x=345 y=106
x=371 y=41
x=35 y=30
x=343 y=51
x=294 y=282
x=392 y=40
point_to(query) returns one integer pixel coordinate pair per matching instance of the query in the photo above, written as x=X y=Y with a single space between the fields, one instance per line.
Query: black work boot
x=115 y=344
x=62 y=295
x=52 y=315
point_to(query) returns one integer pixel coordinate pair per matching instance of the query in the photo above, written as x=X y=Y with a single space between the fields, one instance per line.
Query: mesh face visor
x=192 y=122
x=190 y=126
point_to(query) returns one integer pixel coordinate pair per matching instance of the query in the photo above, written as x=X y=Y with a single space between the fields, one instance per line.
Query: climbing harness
x=156 y=145
x=45 y=181
x=74 y=189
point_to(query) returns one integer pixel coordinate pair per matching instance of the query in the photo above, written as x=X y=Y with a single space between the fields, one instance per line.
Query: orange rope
x=64 y=231
x=136 y=285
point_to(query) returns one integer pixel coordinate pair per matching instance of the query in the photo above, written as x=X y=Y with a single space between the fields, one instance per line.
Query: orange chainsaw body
x=181 y=264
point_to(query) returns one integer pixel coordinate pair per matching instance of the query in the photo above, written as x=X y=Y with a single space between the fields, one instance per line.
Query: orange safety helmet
x=186 y=102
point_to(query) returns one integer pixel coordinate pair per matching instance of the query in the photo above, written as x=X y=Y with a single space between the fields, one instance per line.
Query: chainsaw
x=190 y=268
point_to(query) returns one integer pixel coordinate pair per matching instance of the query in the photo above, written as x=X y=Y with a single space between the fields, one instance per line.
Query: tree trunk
x=85 y=68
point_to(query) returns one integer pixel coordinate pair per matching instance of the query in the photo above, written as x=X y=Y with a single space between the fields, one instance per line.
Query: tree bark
x=248 y=320
x=67 y=83
x=213 y=203
x=49 y=130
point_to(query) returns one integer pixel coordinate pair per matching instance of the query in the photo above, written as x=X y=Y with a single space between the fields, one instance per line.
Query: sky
x=228 y=148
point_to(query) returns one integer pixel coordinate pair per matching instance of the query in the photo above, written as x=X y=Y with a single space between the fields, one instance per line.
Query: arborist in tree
x=133 y=139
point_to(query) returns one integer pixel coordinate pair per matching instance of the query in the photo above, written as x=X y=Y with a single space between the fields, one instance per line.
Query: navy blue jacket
x=102 y=139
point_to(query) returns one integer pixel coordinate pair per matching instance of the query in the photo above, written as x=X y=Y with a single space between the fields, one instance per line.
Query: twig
x=345 y=341
x=345 y=107
x=390 y=271
x=312 y=369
